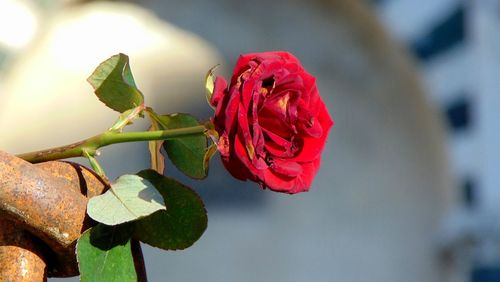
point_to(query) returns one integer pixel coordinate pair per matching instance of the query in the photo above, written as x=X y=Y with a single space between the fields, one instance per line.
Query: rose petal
x=219 y=92
x=277 y=146
x=312 y=147
x=311 y=127
x=292 y=185
x=278 y=140
x=286 y=168
x=258 y=137
x=255 y=168
x=276 y=125
x=243 y=127
x=275 y=151
x=292 y=81
x=230 y=113
x=244 y=136
x=247 y=89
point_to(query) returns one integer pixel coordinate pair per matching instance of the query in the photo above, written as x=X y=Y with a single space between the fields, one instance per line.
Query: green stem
x=94 y=164
x=91 y=145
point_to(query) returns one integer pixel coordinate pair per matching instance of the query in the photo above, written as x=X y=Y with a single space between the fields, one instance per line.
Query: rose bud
x=272 y=123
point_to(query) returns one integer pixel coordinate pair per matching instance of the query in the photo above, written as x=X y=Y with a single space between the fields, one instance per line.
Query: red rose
x=272 y=122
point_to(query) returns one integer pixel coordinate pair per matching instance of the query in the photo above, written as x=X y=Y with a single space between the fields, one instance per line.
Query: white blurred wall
x=375 y=207
x=465 y=72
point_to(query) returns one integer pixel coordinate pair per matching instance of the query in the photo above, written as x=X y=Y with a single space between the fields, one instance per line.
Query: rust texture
x=79 y=178
x=48 y=200
x=42 y=214
x=46 y=204
x=20 y=257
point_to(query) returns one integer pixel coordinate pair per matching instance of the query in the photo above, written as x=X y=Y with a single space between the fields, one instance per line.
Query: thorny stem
x=90 y=146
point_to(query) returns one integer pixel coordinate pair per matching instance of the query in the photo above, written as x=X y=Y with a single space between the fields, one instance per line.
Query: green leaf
x=178 y=227
x=187 y=153
x=114 y=84
x=104 y=254
x=129 y=198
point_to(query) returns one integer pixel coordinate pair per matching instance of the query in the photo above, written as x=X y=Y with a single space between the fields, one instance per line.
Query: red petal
x=277 y=146
x=312 y=147
x=292 y=185
x=230 y=112
x=278 y=140
x=286 y=168
x=312 y=127
x=220 y=90
x=276 y=125
x=242 y=154
x=243 y=127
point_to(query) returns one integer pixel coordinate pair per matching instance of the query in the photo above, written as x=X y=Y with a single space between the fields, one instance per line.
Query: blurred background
x=408 y=190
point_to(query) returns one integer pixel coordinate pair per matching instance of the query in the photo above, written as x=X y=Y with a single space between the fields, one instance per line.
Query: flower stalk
x=90 y=146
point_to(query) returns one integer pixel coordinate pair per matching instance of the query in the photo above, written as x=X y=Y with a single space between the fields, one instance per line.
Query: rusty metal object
x=49 y=200
x=45 y=204
x=20 y=257
x=79 y=177
x=81 y=180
